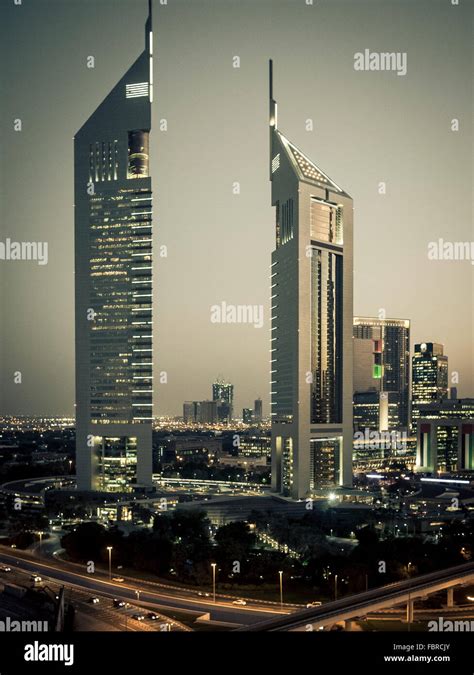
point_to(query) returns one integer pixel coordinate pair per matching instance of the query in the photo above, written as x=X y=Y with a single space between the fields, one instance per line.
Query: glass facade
x=121 y=300
x=287 y=466
x=326 y=336
x=429 y=376
x=390 y=369
x=117 y=463
x=324 y=462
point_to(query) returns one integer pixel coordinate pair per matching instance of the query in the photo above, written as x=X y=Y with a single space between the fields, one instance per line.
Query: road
x=151 y=595
x=369 y=602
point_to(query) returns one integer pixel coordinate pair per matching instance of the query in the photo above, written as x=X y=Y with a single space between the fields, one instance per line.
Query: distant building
x=445 y=445
x=375 y=410
x=208 y=412
x=191 y=412
x=223 y=394
x=382 y=366
x=429 y=376
x=445 y=435
x=462 y=408
x=254 y=443
x=257 y=410
x=247 y=415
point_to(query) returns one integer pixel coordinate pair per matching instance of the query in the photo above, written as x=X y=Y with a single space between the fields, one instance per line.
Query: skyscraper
x=312 y=309
x=429 y=376
x=223 y=394
x=382 y=366
x=113 y=266
x=192 y=412
x=258 y=410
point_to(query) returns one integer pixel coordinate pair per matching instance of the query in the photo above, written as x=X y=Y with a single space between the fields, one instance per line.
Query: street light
x=335 y=587
x=41 y=540
x=138 y=595
x=213 y=565
x=281 y=589
x=109 y=549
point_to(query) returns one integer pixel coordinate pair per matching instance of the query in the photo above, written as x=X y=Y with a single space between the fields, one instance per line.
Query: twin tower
x=311 y=303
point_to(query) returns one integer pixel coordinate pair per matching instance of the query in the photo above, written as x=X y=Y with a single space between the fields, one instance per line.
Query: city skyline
x=256 y=383
x=408 y=287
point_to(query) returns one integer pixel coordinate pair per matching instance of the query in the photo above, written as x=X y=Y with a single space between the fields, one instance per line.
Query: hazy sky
x=368 y=127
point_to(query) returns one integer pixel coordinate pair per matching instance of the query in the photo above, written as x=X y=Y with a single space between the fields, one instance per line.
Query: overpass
x=355 y=606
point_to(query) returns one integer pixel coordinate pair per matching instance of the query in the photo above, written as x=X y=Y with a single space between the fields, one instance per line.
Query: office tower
x=382 y=366
x=311 y=336
x=257 y=410
x=113 y=285
x=223 y=394
x=247 y=415
x=208 y=412
x=429 y=376
x=445 y=435
x=445 y=444
x=191 y=412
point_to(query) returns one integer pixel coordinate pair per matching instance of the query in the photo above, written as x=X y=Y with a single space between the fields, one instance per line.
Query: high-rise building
x=247 y=415
x=311 y=337
x=258 y=410
x=223 y=394
x=429 y=376
x=113 y=267
x=208 y=410
x=382 y=366
x=191 y=412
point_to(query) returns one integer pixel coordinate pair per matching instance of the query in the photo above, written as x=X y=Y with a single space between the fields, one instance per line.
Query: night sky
x=368 y=127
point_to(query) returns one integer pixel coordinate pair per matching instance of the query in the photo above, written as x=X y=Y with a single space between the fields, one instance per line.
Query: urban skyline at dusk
x=394 y=229
x=238 y=344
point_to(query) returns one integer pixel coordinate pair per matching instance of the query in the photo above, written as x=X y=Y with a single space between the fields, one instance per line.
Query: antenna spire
x=273 y=105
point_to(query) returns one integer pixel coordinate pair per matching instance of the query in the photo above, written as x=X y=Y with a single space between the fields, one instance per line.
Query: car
x=204 y=595
x=36 y=579
x=118 y=579
x=118 y=603
x=5 y=569
x=94 y=600
x=316 y=603
x=152 y=616
x=138 y=617
x=239 y=602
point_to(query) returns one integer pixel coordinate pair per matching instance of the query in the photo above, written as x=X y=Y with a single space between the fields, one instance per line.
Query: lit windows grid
x=121 y=297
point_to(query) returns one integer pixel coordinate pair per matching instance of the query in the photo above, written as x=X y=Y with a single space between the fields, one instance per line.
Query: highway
x=361 y=604
x=153 y=596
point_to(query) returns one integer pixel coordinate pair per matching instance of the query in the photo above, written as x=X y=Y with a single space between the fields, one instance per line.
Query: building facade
x=429 y=376
x=223 y=394
x=192 y=412
x=382 y=367
x=311 y=335
x=113 y=285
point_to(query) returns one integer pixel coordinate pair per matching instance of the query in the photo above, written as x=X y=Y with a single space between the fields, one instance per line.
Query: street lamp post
x=281 y=588
x=109 y=549
x=213 y=565
x=335 y=587
x=137 y=593
x=41 y=541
